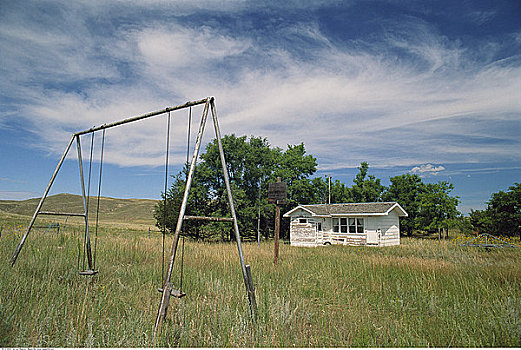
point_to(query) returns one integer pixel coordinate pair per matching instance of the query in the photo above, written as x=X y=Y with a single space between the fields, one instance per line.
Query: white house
x=376 y=224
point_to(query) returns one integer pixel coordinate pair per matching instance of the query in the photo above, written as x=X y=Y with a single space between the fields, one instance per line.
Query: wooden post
x=277 y=230
x=251 y=287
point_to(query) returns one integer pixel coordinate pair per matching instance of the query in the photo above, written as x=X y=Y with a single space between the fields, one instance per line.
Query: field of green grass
x=421 y=293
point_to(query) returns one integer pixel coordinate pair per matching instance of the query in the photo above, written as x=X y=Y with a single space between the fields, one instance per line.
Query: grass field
x=421 y=293
x=120 y=212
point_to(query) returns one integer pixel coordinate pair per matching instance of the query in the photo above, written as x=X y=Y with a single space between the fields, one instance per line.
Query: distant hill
x=112 y=210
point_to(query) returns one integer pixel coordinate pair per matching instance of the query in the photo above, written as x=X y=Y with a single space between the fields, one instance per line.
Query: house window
x=360 y=225
x=340 y=225
x=356 y=225
x=319 y=226
x=302 y=221
x=343 y=225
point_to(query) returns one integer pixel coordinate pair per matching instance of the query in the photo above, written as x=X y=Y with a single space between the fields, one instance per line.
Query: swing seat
x=174 y=292
x=88 y=272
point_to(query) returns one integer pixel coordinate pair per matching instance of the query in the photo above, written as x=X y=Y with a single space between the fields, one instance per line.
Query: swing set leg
x=161 y=316
x=90 y=271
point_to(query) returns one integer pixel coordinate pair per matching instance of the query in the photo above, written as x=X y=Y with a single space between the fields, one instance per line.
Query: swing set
x=167 y=289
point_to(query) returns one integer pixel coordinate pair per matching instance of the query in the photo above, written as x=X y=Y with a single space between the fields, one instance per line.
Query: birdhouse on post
x=277 y=192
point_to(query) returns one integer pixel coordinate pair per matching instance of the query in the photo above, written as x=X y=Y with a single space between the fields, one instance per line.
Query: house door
x=372 y=237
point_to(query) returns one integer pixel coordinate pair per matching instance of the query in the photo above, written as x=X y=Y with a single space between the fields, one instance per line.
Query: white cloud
x=174 y=47
x=10 y=180
x=346 y=104
x=427 y=169
x=17 y=195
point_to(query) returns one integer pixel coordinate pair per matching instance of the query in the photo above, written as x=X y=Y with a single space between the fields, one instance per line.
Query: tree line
x=502 y=214
x=253 y=163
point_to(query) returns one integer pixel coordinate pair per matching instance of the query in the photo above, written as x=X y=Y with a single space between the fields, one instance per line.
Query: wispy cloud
x=481 y=17
x=391 y=101
x=171 y=48
x=17 y=195
x=10 y=180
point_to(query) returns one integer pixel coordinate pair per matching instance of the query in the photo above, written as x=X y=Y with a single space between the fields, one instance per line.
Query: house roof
x=350 y=209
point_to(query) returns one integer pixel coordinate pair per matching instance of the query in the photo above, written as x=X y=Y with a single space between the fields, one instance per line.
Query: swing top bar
x=76 y=136
x=143 y=116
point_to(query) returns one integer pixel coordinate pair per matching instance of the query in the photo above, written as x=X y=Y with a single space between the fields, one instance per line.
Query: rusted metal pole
x=167 y=286
x=85 y=207
x=101 y=127
x=60 y=213
x=259 y=215
x=207 y=218
x=143 y=116
x=249 y=288
x=329 y=189
x=44 y=196
x=277 y=230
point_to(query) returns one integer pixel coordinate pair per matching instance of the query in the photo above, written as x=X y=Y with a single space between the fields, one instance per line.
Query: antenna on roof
x=329 y=187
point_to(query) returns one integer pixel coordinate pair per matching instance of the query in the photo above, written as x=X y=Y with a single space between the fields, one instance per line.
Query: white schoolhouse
x=375 y=224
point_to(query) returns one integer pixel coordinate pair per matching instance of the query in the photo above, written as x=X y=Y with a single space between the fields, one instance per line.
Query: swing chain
x=99 y=195
x=165 y=195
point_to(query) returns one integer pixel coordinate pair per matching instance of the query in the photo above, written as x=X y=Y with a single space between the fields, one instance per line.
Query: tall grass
x=421 y=293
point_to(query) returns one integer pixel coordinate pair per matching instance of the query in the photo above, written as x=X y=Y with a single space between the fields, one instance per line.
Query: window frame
x=336 y=225
x=360 y=225
x=344 y=228
x=350 y=225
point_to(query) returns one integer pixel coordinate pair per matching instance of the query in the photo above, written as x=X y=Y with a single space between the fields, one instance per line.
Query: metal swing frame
x=167 y=290
x=491 y=241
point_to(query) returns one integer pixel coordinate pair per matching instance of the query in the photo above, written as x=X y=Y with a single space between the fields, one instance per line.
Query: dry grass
x=422 y=293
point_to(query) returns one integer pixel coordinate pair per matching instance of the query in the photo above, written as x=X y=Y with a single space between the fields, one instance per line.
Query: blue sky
x=428 y=87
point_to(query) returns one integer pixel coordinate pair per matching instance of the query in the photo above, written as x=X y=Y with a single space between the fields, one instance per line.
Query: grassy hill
x=112 y=210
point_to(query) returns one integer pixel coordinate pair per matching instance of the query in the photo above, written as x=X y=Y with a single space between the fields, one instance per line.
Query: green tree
x=437 y=207
x=406 y=189
x=295 y=165
x=367 y=188
x=340 y=193
x=199 y=204
x=482 y=221
x=306 y=191
x=502 y=215
x=251 y=163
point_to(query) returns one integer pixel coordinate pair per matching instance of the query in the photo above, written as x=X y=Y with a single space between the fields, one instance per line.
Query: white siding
x=302 y=234
x=390 y=226
x=306 y=234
